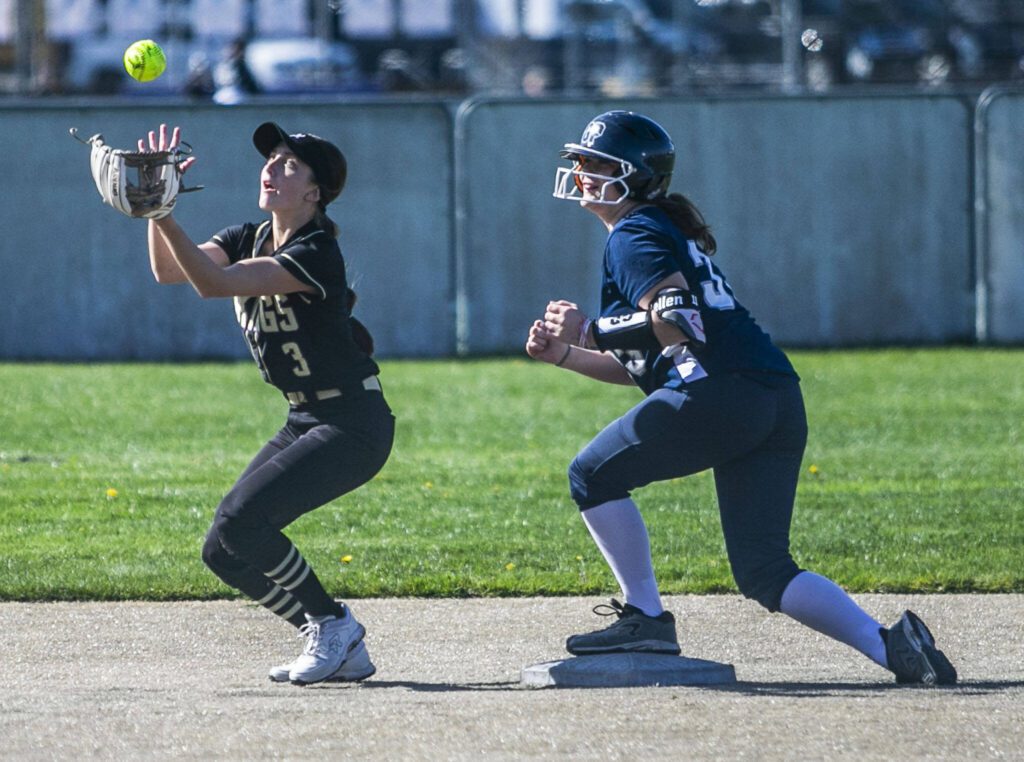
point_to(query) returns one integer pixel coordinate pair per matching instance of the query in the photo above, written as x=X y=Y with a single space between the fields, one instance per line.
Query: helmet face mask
x=569 y=180
x=639 y=145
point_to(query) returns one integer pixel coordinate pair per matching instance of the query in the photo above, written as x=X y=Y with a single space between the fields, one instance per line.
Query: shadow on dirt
x=810 y=690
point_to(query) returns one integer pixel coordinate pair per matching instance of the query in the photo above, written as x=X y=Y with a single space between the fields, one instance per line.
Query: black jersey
x=302 y=342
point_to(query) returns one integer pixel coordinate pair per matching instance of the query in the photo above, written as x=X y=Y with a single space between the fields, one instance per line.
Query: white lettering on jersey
x=715 y=290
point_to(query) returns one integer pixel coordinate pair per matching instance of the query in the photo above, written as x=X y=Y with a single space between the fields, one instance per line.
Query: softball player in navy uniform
x=292 y=300
x=718 y=394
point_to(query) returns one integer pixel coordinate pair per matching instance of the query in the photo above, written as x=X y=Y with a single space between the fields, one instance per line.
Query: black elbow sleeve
x=632 y=331
x=680 y=308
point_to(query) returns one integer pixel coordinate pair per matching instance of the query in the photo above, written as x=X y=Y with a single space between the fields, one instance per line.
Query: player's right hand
x=540 y=347
x=159 y=141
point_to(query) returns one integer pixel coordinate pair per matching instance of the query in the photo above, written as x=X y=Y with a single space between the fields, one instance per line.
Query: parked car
x=706 y=44
x=615 y=44
x=917 y=41
x=280 y=66
x=745 y=42
x=95 y=65
x=896 y=41
x=304 y=65
x=989 y=38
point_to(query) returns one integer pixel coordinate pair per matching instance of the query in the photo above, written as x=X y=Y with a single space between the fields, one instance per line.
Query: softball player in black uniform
x=292 y=300
x=719 y=395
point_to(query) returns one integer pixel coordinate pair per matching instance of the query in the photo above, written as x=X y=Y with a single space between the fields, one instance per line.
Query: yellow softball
x=144 y=60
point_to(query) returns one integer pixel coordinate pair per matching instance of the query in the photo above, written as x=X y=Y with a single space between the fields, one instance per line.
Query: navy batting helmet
x=638 y=144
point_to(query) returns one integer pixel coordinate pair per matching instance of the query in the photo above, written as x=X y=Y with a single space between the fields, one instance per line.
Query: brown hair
x=326 y=222
x=687 y=217
x=360 y=334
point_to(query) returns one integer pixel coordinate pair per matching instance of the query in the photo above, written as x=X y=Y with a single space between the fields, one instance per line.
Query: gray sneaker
x=633 y=631
x=912 y=656
x=356 y=667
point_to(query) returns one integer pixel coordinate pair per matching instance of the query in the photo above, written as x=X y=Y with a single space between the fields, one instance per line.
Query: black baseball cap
x=325 y=159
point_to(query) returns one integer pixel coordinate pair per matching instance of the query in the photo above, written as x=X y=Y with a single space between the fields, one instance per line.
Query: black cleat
x=912 y=656
x=633 y=632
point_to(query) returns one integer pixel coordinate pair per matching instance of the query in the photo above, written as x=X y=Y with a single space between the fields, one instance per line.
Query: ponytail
x=687 y=217
x=326 y=222
x=360 y=335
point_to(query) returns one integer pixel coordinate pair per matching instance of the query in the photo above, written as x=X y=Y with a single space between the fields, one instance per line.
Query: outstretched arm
x=161 y=261
x=175 y=258
x=202 y=267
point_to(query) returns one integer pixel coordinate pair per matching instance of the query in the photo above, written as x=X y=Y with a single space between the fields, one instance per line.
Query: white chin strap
x=566 y=188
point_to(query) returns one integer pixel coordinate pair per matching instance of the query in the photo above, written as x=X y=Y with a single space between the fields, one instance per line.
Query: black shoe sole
x=941 y=669
x=624 y=650
x=349 y=680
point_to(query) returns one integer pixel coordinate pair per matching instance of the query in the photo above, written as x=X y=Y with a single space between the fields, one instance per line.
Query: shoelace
x=610 y=609
x=311 y=632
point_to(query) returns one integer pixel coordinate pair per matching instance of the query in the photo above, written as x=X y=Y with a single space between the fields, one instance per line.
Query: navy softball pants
x=750 y=428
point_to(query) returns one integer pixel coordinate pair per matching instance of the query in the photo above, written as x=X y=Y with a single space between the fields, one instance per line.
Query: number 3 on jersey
x=716 y=291
x=292 y=349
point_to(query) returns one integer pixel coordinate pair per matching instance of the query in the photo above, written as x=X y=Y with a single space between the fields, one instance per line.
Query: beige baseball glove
x=137 y=183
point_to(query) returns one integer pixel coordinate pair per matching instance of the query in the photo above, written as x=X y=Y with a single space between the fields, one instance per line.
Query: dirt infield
x=188 y=681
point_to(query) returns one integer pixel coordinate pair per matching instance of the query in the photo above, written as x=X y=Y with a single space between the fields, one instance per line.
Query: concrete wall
x=1000 y=205
x=76 y=274
x=841 y=221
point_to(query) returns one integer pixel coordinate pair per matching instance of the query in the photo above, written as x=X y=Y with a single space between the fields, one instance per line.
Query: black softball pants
x=320 y=454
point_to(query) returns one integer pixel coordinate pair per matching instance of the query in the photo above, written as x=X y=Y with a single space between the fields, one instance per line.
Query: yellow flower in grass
x=814 y=469
x=510 y=566
x=111 y=493
x=346 y=559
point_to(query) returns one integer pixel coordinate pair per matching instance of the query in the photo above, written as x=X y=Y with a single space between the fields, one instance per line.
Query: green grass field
x=109 y=476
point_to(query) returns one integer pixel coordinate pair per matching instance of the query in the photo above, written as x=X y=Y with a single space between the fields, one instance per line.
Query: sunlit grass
x=109 y=476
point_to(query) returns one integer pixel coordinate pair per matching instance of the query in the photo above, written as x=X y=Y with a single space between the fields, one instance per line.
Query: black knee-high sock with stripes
x=254 y=541
x=296 y=577
x=243 y=576
x=279 y=601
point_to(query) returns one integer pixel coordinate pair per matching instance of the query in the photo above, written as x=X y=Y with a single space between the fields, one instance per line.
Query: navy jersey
x=643 y=249
x=302 y=342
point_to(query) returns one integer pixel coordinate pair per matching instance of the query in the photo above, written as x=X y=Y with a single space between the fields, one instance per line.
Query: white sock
x=619 y=531
x=822 y=605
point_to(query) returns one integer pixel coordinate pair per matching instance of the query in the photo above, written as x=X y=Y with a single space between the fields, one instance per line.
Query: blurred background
x=861 y=161
x=230 y=50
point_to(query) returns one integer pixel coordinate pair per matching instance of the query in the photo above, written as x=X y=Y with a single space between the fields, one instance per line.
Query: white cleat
x=356 y=667
x=328 y=643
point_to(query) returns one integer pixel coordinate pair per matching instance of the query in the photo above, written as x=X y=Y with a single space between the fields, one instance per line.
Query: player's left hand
x=563 y=320
x=143 y=183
